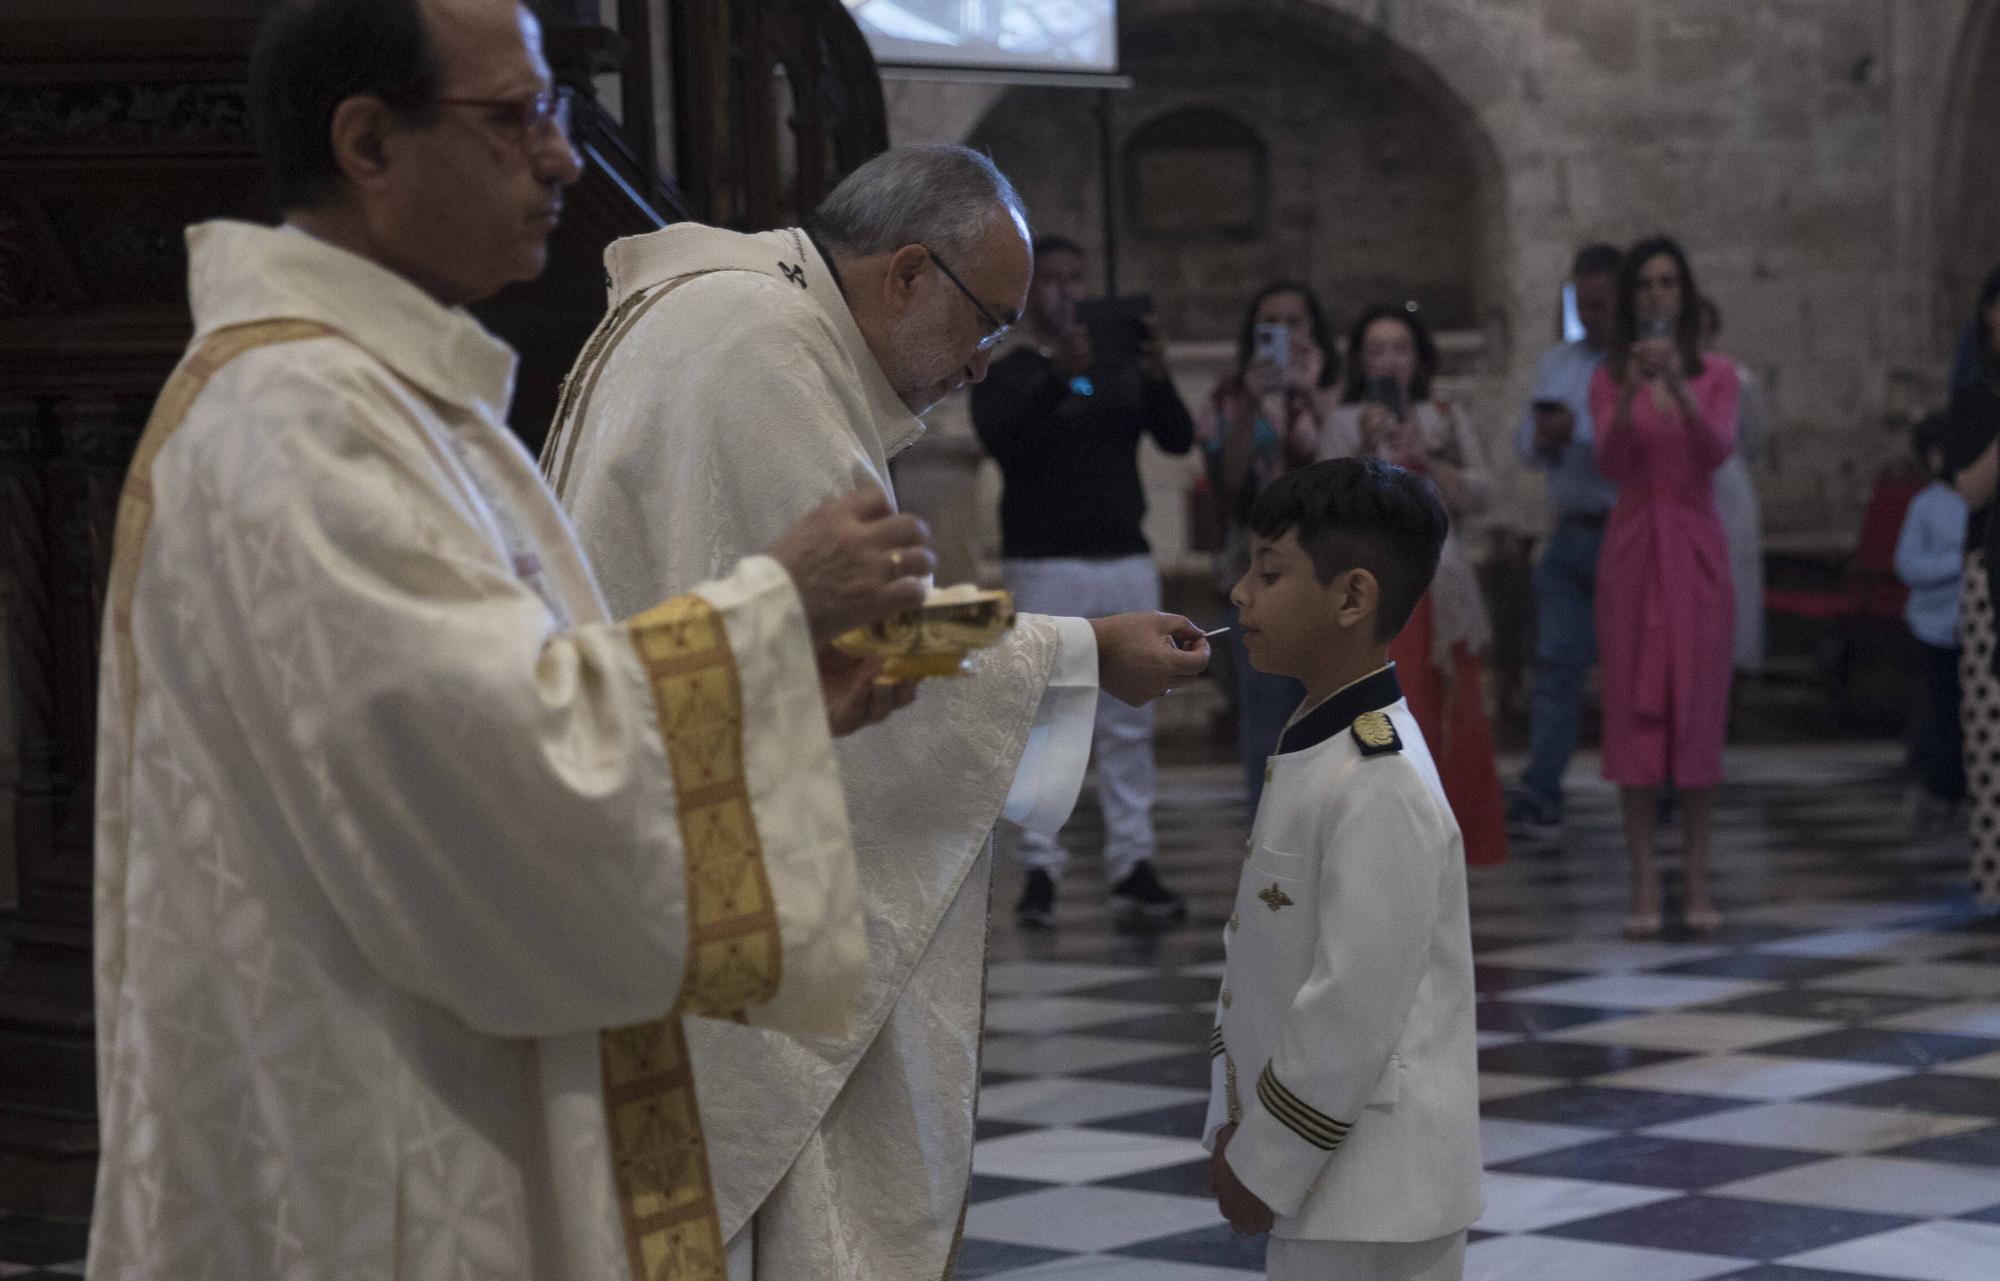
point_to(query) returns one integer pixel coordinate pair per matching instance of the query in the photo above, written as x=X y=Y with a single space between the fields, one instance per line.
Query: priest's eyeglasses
x=998 y=327
x=535 y=117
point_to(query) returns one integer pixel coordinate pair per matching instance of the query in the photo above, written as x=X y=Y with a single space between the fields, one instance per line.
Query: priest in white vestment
x=736 y=381
x=409 y=853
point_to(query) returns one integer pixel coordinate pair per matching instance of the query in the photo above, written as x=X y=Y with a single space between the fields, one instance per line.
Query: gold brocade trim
x=734 y=960
x=135 y=500
x=573 y=403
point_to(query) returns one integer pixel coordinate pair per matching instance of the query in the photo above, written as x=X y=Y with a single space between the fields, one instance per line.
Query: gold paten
x=934 y=639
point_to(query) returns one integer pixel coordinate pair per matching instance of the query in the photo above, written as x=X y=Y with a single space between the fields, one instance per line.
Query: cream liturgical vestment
x=727 y=392
x=406 y=849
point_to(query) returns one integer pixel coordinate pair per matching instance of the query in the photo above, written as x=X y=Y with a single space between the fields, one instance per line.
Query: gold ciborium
x=934 y=639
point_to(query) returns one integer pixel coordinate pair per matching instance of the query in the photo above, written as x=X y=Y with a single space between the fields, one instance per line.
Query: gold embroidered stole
x=659 y=1162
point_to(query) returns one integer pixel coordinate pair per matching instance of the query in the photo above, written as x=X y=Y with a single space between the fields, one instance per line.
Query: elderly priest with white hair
x=736 y=381
x=410 y=854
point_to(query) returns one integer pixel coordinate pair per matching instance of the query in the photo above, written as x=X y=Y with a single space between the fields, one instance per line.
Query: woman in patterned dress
x=1971 y=463
x=1387 y=411
x=1261 y=422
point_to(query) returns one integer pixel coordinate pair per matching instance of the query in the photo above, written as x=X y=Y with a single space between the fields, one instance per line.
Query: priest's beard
x=924 y=366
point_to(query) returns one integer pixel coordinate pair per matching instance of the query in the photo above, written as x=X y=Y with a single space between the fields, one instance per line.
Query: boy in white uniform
x=1344 y=1112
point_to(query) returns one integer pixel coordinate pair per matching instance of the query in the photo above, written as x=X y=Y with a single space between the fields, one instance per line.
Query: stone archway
x=1968 y=222
x=1383 y=184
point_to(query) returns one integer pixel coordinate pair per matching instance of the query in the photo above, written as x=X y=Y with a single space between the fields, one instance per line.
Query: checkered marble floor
x=1814 y=1094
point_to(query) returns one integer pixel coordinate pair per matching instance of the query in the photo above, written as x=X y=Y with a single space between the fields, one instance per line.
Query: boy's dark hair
x=312 y=55
x=1361 y=513
x=1046 y=245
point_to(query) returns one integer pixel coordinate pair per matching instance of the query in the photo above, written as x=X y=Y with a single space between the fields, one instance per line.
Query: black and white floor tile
x=1813 y=1095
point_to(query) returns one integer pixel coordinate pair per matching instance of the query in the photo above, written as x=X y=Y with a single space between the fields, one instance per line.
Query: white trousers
x=1122 y=746
x=1442 y=1259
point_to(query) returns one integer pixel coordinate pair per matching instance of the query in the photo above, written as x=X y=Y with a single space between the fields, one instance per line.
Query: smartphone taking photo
x=1272 y=343
x=1117 y=326
x=1386 y=392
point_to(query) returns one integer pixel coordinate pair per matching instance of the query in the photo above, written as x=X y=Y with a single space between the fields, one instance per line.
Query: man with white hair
x=736 y=381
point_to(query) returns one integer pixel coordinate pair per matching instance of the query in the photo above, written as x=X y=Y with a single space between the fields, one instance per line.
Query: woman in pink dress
x=1666 y=419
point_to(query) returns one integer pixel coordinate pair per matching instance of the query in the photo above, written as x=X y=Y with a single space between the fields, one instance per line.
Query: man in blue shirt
x=1556 y=438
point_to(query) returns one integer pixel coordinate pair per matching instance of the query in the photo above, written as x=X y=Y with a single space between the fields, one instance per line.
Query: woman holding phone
x=1262 y=421
x=1387 y=411
x=1666 y=416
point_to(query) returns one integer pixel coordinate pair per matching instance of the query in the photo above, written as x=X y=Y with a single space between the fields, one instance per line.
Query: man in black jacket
x=1065 y=428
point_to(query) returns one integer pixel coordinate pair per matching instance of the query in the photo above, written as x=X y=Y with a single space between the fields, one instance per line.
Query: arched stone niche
x=1231 y=203
x=1968 y=222
x=1379 y=182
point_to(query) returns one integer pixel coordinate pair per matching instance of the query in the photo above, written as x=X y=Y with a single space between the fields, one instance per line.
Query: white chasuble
x=406 y=850
x=728 y=392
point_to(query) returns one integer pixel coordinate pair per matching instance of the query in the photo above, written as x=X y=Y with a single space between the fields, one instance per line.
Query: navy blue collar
x=1334 y=716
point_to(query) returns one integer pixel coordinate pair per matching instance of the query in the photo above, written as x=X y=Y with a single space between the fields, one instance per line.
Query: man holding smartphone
x=1556 y=438
x=1063 y=412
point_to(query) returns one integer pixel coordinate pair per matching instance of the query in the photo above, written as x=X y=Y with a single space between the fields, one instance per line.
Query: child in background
x=1343 y=1112
x=1930 y=559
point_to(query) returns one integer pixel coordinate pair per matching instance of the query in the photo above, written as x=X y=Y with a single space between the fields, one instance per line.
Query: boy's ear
x=1359 y=597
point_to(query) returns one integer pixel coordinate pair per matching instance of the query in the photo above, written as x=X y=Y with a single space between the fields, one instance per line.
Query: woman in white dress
x=1736 y=502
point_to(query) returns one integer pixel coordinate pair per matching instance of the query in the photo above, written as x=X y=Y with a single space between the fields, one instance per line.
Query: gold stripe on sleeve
x=1298 y=1116
x=734 y=956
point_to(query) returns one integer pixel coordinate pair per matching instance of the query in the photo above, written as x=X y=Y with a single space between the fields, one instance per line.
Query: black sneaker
x=1037 y=908
x=1141 y=894
x=1529 y=819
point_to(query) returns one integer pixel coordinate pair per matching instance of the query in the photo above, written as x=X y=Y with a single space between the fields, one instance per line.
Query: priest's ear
x=360 y=137
x=905 y=277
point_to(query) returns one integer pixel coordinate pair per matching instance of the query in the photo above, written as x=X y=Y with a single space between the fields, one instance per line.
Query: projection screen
x=1073 y=36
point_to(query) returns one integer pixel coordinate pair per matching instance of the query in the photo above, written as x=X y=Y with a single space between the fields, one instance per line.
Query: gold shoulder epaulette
x=1375 y=734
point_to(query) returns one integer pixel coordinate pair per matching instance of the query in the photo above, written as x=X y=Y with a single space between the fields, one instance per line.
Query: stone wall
x=1802 y=149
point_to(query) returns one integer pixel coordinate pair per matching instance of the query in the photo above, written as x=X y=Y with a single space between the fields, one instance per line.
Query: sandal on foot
x=1703 y=923
x=1646 y=925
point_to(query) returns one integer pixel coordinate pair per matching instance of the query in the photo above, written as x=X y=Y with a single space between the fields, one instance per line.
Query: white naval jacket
x=1345 y=1047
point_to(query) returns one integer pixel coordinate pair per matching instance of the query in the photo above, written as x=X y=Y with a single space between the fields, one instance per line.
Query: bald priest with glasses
x=736 y=381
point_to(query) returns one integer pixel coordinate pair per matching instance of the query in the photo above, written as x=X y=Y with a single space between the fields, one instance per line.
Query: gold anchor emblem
x=1275 y=898
x=1374 y=729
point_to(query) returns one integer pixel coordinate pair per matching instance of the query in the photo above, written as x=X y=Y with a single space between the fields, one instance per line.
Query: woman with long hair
x=1666 y=416
x=1387 y=411
x=1263 y=420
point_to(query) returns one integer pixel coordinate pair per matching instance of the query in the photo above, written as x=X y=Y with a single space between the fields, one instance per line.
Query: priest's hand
x=1141 y=656
x=853 y=699
x=855 y=562
x=1245 y=1210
